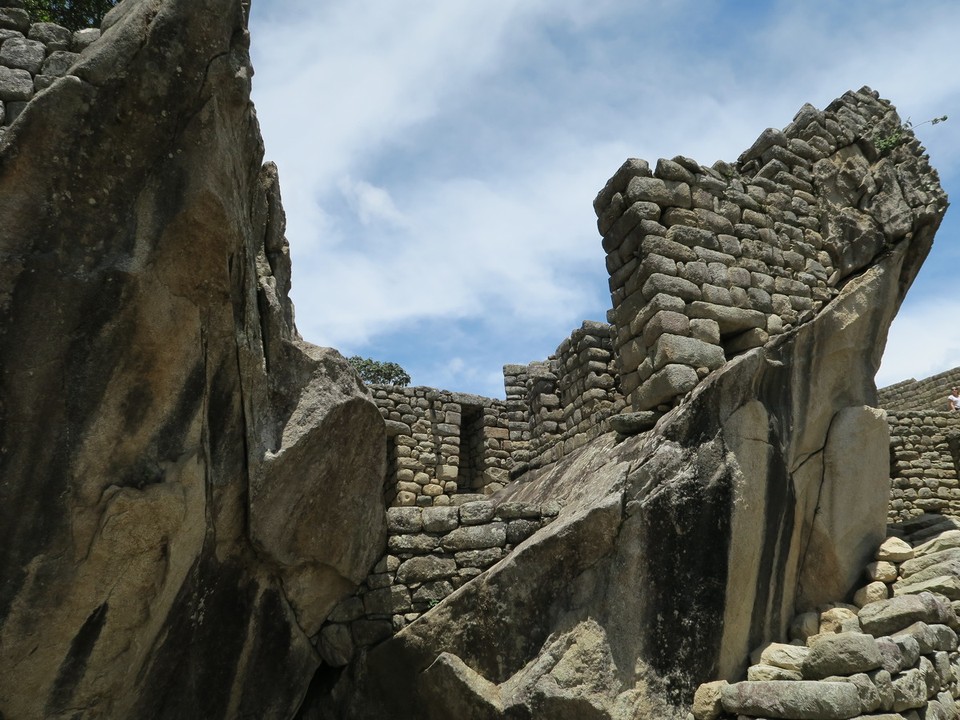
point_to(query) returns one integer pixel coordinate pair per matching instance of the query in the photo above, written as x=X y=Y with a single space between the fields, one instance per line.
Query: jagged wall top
x=707 y=262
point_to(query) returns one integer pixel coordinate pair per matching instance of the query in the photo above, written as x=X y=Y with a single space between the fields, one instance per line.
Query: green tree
x=73 y=14
x=379 y=373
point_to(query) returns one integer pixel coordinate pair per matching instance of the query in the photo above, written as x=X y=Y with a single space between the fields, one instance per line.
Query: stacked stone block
x=708 y=262
x=32 y=56
x=557 y=405
x=431 y=552
x=891 y=654
x=924 y=461
x=923 y=395
x=587 y=383
x=430 y=460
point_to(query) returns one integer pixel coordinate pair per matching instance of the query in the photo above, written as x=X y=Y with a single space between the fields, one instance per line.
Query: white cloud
x=373 y=204
x=923 y=341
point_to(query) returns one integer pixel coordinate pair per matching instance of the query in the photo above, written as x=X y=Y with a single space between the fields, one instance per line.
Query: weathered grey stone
x=946 y=585
x=511 y=510
x=665 y=384
x=633 y=423
x=891 y=658
x=909 y=690
x=477 y=512
x=841 y=654
x=802 y=700
x=404 y=520
x=23 y=54
x=55 y=37
x=867 y=691
x=664 y=193
x=387 y=601
x=58 y=63
x=475 y=537
x=418 y=543
x=520 y=530
x=15 y=85
x=432 y=593
x=423 y=569
x=13 y=110
x=213 y=482
x=440 y=519
x=335 y=644
x=478 y=558
x=13 y=18
x=889 y=616
x=84 y=38
x=675 y=349
x=370 y=632
x=730 y=319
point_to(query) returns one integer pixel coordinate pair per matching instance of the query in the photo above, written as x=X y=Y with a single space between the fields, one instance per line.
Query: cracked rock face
x=186 y=488
x=761 y=495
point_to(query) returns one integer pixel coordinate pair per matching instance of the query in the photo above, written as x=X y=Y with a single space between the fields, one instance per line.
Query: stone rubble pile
x=708 y=262
x=892 y=654
x=431 y=552
x=32 y=56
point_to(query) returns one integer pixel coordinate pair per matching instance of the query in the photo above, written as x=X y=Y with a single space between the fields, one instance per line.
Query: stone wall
x=431 y=551
x=707 y=262
x=32 y=56
x=924 y=457
x=440 y=444
x=929 y=394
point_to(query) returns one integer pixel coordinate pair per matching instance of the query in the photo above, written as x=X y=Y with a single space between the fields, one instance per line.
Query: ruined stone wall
x=929 y=394
x=441 y=444
x=32 y=56
x=924 y=454
x=558 y=405
x=431 y=551
x=707 y=262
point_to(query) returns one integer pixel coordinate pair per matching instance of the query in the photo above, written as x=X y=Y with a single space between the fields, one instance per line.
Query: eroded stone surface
x=169 y=445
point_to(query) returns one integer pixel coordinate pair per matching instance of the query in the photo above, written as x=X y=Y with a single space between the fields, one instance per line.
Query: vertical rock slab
x=160 y=555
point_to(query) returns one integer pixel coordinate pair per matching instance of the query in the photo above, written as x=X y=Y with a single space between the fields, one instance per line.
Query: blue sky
x=439 y=158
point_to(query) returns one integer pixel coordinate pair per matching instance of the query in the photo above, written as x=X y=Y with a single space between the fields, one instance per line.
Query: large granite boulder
x=678 y=551
x=186 y=488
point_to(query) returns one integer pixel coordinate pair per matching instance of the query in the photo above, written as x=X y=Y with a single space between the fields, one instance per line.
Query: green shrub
x=379 y=373
x=73 y=14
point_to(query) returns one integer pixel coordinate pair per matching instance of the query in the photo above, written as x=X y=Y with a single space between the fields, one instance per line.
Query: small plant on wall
x=888 y=141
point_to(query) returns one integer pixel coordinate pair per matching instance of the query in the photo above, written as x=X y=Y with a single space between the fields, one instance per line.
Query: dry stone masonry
x=431 y=552
x=708 y=262
x=892 y=654
x=32 y=56
x=924 y=446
